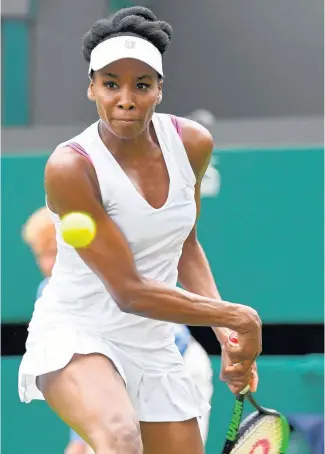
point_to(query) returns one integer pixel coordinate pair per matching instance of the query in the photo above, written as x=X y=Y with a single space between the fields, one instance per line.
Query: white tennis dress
x=76 y=314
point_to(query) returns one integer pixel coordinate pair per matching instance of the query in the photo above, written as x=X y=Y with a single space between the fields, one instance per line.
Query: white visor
x=114 y=49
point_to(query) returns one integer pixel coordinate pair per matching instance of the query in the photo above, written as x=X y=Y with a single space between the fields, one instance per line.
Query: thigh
x=90 y=396
x=171 y=437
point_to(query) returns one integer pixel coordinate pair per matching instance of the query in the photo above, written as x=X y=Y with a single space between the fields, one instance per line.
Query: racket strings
x=263 y=437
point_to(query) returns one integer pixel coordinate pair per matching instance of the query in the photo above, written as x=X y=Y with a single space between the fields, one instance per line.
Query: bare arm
x=194 y=272
x=71 y=185
x=195 y=276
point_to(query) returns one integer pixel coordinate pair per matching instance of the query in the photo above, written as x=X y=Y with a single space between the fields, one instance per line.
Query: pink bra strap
x=177 y=125
x=79 y=149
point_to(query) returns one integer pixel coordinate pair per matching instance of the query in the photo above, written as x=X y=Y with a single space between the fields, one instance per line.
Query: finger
x=229 y=377
x=235 y=355
x=234 y=344
x=238 y=368
x=237 y=387
x=233 y=389
x=239 y=384
x=239 y=380
x=236 y=375
x=254 y=381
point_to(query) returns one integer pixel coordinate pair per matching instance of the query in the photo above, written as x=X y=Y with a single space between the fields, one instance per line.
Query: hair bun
x=139 y=11
x=137 y=21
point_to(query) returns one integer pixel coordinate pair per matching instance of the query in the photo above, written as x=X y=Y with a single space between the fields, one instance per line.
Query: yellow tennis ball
x=78 y=229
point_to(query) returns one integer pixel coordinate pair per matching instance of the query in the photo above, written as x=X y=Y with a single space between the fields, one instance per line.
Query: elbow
x=125 y=303
x=127 y=298
x=127 y=306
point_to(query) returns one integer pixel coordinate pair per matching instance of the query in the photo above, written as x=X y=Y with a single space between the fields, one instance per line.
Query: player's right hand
x=238 y=376
x=242 y=349
x=238 y=380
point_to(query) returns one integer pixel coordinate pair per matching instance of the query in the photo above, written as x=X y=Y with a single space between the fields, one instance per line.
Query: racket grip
x=245 y=390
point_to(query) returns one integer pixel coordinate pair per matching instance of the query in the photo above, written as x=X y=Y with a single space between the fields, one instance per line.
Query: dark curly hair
x=135 y=21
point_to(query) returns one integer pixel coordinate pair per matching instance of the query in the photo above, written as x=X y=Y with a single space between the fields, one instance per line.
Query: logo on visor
x=129 y=44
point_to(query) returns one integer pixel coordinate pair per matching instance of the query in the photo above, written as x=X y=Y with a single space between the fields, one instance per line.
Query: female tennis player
x=101 y=348
x=39 y=234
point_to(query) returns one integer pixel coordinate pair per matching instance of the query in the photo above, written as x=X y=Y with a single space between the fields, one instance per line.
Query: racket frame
x=285 y=427
x=235 y=421
x=236 y=429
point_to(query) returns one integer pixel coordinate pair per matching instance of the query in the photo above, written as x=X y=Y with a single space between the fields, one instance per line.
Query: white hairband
x=114 y=49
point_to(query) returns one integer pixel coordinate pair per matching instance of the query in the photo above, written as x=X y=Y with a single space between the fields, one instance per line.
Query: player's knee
x=118 y=436
x=129 y=440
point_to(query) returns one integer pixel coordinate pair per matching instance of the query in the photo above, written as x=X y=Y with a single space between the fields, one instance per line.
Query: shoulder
x=198 y=143
x=65 y=165
x=65 y=157
x=67 y=162
x=69 y=171
x=73 y=154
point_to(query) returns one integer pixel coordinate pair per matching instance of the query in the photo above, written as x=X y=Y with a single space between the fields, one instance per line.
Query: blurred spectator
x=205 y=118
x=39 y=234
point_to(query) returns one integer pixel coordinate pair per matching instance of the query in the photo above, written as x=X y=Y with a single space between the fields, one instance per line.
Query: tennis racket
x=265 y=431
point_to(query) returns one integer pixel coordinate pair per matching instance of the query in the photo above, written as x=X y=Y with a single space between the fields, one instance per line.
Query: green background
x=15 y=84
x=289 y=384
x=263 y=233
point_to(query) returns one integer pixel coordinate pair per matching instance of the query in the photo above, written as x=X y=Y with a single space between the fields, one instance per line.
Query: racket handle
x=245 y=390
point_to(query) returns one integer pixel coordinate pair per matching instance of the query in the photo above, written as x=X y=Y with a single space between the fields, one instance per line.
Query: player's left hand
x=237 y=379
